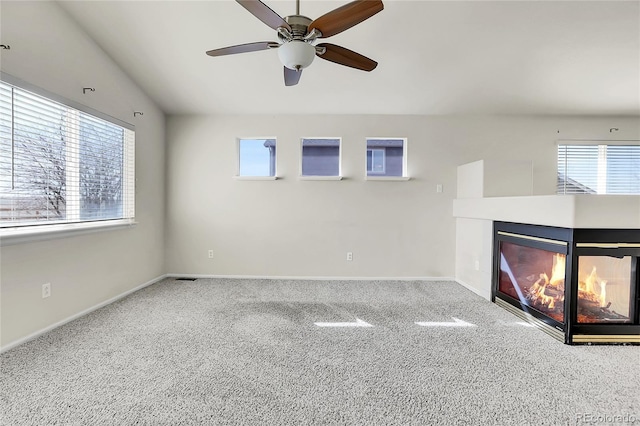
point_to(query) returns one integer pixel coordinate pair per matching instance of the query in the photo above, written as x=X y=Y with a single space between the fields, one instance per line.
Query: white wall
x=290 y=227
x=474 y=242
x=48 y=50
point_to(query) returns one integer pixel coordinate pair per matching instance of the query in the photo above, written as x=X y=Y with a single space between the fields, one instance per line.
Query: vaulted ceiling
x=435 y=57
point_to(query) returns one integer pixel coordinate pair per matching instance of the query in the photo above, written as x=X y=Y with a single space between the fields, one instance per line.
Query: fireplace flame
x=587 y=288
x=548 y=293
x=558 y=270
x=538 y=292
x=589 y=282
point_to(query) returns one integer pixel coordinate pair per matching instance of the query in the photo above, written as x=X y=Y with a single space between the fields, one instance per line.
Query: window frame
x=405 y=162
x=321 y=177
x=600 y=173
x=28 y=232
x=238 y=176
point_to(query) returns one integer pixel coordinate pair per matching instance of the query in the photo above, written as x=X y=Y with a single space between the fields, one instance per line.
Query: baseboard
x=78 y=315
x=310 y=278
x=483 y=294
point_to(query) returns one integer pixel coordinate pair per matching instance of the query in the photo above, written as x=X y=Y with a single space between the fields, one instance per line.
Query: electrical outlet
x=46 y=290
x=439 y=187
x=349 y=256
x=477 y=265
x=210 y=254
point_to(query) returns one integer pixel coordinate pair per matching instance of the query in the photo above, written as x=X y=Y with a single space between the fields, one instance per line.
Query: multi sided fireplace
x=578 y=285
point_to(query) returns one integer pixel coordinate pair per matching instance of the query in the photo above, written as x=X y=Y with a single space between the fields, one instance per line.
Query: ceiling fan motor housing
x=295 y=52
x=299 y=25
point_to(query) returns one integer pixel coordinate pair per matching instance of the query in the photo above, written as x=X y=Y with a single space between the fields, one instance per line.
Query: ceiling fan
x=297 y=35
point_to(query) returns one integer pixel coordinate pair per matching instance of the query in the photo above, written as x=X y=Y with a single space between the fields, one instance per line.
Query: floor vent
x=185 y=279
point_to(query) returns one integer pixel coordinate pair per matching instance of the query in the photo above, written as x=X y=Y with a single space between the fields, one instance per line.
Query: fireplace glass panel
x=604 y=289
x=533 y=276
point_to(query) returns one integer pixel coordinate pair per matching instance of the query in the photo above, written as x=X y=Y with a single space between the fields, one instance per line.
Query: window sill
x=28 y=234
x=388 y=178
x=255 y=177
x=320 y=177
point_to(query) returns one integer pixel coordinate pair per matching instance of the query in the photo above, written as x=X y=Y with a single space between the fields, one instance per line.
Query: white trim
x=388 y=178
x=309 y=278
x=483 y=294
x=51 y=327
x=28 y=234
x=597 y=142
x=405 y=158
x=255 y=177
x=321 y=177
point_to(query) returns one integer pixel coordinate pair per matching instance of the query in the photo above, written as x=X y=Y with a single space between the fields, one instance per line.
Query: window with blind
x=598 y=169
x=60 y=165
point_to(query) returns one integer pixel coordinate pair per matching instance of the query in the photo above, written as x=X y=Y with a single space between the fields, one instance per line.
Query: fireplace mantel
x=567 y=211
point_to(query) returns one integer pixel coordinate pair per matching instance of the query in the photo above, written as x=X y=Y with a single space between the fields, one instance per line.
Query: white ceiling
x=451 y=57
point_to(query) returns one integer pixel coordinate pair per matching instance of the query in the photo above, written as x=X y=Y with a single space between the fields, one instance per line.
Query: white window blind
x=61 y=165
x=598 y=169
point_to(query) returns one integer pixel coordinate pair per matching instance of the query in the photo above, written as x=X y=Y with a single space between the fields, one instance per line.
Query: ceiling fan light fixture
x=296 y=54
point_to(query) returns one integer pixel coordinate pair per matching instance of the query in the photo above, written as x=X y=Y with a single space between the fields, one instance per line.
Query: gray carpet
x=247 y=352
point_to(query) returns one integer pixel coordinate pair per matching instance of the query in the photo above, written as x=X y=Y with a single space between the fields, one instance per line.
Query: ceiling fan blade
x=291 y=77
x=346 y=57
x=345 y=17
x=264 y=13
x=243 y=48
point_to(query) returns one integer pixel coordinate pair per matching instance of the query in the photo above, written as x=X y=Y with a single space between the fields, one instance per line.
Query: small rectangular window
x=257 y=157
x=321 y=157
x=598 y=169
x=386 y=157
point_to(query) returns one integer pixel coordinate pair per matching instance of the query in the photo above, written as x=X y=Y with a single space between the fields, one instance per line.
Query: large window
x=386 y=157
x=321 y=157
x=61 y=165
x=598 y=169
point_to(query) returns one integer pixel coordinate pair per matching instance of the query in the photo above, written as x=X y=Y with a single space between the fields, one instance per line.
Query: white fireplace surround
x=475 y=209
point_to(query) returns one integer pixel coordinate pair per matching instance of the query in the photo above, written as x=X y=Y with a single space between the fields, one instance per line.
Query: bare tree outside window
x=101 y=163
x=38 y=165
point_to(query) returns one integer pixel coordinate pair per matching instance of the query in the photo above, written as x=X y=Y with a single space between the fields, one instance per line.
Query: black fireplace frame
x=572 y=242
